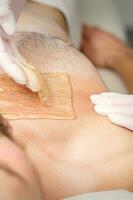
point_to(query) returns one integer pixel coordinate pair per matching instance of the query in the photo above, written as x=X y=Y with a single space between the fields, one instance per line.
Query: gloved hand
x=118 y=108
x=9 y=11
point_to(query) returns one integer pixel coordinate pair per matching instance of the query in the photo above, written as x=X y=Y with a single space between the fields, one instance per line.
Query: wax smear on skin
x=23 y=103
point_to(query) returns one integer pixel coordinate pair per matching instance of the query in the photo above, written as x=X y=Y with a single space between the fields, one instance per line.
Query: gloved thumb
x=9 y=24
x=7 y=18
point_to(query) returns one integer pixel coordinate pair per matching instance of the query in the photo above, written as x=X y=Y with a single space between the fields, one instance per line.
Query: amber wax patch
x=17 y=101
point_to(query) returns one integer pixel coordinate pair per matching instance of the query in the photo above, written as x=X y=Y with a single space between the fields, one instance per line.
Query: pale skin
x=67 y=157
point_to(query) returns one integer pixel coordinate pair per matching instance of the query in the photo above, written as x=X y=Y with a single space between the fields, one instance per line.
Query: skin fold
x=69 y=157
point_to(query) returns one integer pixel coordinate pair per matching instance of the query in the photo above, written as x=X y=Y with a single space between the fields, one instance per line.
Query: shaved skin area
x=69 y=157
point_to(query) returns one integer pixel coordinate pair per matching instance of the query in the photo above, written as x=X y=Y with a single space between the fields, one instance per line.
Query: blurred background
x=115 y=16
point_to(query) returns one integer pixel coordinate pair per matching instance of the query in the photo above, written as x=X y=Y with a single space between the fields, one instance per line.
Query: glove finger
x=12 y=69
x=9 y=66
x=7 y=19
x=110 y=94
x=33 y=82
x=120 y=110
x=112 y=100
x=4 y=7
x=9 y=24
x=123 y=121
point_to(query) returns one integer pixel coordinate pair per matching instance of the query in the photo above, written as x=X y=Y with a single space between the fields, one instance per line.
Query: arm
x=54 y=23
x=107 y=51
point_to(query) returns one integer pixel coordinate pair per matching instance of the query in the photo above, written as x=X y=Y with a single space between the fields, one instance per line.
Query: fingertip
x=19 y=81
x=95 y=98
x=9 y=28
x=12 y=69
x=92 y=98
x=99 y=109
x=33 y=87
x=116 y=119
x=17 y=74
x=121 y=121
x=9 y=24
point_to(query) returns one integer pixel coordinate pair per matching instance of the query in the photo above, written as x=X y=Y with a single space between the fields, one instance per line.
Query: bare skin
x=71 y=157
x=17 y=180
x=107 y=51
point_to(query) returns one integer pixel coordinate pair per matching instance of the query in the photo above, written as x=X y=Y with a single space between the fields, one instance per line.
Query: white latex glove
x=118 y=108
x=9 y=11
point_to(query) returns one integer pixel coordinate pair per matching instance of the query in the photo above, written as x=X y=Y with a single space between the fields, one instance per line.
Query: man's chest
x=75 y=152
x=74 y=140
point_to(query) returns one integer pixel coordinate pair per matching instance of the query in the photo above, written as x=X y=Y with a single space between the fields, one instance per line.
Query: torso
x=81 y=155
